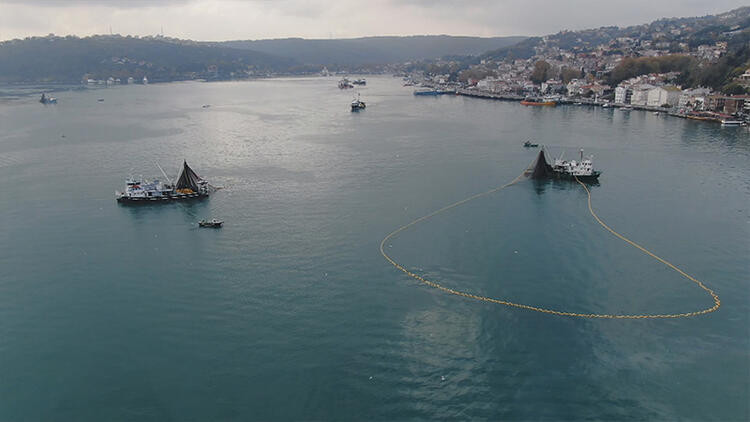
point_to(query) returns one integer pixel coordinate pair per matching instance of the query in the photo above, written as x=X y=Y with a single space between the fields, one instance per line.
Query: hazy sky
x=257 y=19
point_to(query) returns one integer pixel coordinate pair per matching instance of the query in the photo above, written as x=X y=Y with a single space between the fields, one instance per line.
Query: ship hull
x=539 y=103
x=159 y=199
x=593 y=177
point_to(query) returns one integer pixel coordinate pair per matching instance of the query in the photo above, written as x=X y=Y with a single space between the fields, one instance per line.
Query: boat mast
x=162 y=172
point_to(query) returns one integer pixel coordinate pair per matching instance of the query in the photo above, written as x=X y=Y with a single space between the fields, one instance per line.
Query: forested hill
x=375 y=50
x=71 y=59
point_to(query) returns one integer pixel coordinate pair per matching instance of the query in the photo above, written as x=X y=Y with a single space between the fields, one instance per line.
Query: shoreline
x=712 y=117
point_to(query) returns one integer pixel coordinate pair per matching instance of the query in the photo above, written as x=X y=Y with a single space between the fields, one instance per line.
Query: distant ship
x=532 y=102
x=344 y=84
x=47 y=100
x=582 y=169
x=358 y=105
x=360 y=81
x=426 y=91
x=189 y=186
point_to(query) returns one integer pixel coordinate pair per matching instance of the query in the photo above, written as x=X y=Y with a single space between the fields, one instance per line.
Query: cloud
x=96 y=3
x=257 y=19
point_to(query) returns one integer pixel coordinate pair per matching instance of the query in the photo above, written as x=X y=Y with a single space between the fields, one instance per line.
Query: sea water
x=289 y=312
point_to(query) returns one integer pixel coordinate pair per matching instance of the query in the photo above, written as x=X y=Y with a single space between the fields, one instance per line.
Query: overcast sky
x=217 y=20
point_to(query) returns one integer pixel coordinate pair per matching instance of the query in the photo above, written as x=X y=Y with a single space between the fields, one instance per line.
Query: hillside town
x=609 y=67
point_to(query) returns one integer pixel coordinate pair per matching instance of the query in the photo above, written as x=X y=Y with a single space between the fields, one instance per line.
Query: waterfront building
x=728 y=104
x=693 y=99
x=662 y=95
x=623 y=94
x=552 y=86
x=744 y=79
x=640 y=94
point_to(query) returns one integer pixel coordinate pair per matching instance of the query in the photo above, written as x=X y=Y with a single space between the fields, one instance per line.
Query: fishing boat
x=426 y=91
x=212 y=223
x=188 y=186
x=47 y=100
x=581 y=169
x=528 y=144
x=358 y=105
x=541 y=103
x=705 y=116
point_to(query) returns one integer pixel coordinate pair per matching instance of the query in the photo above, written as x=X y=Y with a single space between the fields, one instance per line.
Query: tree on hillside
x=541 y=72
x=567 y=74
x=635 y=66
x=475 y=73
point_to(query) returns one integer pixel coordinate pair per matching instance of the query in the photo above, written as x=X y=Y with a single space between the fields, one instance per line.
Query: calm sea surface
x=289 y=312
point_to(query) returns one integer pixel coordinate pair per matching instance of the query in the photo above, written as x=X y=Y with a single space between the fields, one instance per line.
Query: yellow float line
x=717 y=302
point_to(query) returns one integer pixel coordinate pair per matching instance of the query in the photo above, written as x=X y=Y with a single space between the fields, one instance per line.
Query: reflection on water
x=541 y=185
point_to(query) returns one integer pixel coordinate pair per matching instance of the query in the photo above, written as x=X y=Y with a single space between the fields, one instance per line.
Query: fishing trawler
x=357 y=104
x=546 y=102
x=582 y=170
x=188 y=186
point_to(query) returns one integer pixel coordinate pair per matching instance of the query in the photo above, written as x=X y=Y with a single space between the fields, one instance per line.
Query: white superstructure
x=582 y=167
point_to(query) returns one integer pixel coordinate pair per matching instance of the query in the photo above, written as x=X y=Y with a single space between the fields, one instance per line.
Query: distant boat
x=345 y=84
x=731 y=122
x=358 y=105
x=704 y=115
x=47 y=100
x=360 y=81
x=212 y=223
x=426 y=91
x=528 y=144
x=543 y=103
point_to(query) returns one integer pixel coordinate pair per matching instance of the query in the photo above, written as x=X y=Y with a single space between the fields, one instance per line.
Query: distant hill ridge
x=374 y=50
x=70 y=59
